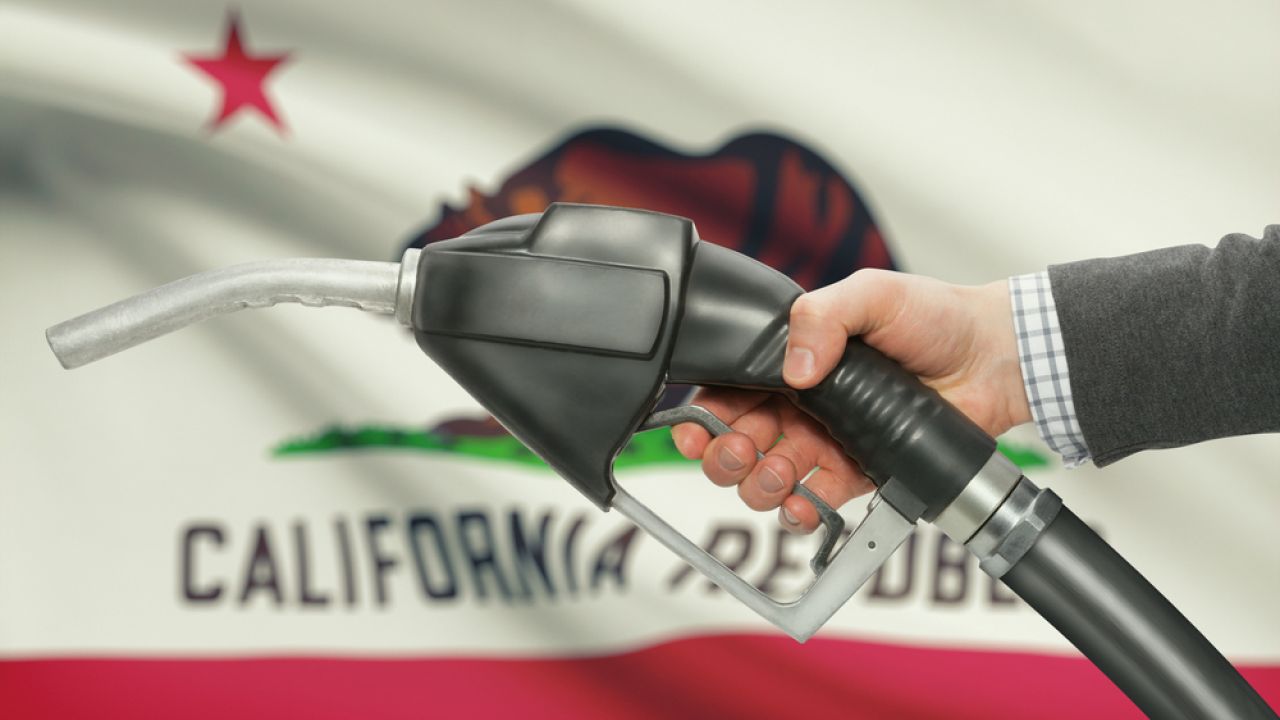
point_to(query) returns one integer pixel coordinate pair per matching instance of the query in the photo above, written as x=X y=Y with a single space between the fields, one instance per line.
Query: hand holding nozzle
x=959 y=340
x=379 y=287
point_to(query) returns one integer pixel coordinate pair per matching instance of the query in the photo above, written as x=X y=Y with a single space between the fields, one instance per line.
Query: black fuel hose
x=1127 y=628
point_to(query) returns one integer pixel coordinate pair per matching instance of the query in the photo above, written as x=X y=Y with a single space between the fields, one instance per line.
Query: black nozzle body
x=561 y=325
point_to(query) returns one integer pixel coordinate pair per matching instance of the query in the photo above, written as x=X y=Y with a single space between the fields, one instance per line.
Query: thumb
x=823 y=321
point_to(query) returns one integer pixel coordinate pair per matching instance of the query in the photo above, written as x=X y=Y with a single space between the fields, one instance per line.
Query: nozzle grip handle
x=915 y=445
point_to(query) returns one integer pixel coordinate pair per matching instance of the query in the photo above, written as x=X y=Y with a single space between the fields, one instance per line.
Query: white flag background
x=293 y=512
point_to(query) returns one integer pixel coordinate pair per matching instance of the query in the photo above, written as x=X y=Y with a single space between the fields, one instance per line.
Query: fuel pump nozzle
x=566 y=348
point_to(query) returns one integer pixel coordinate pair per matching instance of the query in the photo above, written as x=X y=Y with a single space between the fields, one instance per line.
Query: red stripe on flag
x=722 y=676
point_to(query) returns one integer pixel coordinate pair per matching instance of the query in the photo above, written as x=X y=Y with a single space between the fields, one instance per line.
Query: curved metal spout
x=380 y=287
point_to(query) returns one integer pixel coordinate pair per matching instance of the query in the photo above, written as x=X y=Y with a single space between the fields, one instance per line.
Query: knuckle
x=804 y=304
x=863 y=277
x=805 y=310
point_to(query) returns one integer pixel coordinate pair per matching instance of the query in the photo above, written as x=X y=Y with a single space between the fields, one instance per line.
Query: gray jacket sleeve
x=1175 y=346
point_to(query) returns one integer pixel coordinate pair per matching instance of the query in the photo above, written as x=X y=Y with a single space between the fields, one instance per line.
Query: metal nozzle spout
x=380 y=287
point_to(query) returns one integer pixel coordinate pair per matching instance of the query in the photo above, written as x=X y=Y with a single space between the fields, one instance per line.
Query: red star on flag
x=241 y=75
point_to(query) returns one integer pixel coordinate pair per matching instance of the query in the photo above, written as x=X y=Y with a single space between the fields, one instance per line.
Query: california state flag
x=293 y=513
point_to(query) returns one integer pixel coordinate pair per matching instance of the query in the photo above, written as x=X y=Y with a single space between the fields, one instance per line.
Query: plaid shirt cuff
x=1044 y=366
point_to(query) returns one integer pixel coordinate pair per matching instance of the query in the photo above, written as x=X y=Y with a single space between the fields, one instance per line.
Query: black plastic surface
x=1127 y=628
x=522 y=298
x=910 y=441
x=567 y=326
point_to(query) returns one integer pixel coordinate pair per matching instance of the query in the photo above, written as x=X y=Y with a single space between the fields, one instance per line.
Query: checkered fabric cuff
x=1044 y=366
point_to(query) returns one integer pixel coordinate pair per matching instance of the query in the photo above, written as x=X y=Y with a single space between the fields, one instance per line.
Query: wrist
x=1006 y=361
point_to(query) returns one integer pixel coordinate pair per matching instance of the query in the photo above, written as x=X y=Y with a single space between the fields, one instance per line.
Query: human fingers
x=837 y=477
x=728 y=459
x=727 y=404
x=823 y=320
x=835 y=489
x=769 y=483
